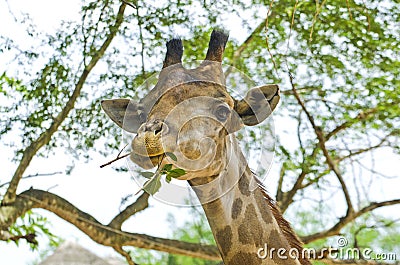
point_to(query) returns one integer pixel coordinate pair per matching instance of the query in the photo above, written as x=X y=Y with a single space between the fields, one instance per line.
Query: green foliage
x=153 y=184
x=311 y=221
x=7 y=86
x=375 y=232
x=34 y=223
x=343 y=60
x=172 y=156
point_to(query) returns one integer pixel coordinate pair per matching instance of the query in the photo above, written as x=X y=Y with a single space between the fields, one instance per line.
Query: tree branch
x=317 y=12
x=321 y=139
x=363 y=150
x=142 y=44
x=287 y=197
x=129 y=4
x=316 y=179
x=45 y=137
x=279 y=191
x=335 y=229
x=139 y=205
x=34 y=176
x=238 y=53
x=125 y=254
x=360 y=116
x=5 y=236
x=102 y=234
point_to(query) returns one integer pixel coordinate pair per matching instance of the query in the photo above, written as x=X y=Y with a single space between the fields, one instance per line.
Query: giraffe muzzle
x=148 y=142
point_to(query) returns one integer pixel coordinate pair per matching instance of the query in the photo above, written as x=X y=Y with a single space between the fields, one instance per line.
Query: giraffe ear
x=124 y=112
x=258 y=104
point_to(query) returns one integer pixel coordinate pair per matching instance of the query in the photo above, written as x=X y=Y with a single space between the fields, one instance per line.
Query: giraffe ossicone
x=191 y=114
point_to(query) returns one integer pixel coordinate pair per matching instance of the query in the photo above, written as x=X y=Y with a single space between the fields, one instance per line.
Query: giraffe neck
x=245 y=221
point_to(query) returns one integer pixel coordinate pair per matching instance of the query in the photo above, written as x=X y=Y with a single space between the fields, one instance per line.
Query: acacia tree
x=337 y=64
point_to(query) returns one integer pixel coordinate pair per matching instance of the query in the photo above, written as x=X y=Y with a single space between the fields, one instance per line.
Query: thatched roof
x=70 y=253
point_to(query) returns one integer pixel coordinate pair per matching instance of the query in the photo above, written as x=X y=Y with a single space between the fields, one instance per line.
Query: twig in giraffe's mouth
x=154 y=159
x=116 y=159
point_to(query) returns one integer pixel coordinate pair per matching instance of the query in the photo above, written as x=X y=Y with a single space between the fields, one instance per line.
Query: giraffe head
x=189 y=112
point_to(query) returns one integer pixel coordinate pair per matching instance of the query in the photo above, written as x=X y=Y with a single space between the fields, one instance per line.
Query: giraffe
x=190 y=113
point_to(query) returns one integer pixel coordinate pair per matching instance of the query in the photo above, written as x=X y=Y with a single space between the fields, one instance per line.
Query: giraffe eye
x=222 y=113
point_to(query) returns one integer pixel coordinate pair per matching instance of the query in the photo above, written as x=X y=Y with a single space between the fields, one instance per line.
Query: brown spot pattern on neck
x=224 y=238
x=236 y=208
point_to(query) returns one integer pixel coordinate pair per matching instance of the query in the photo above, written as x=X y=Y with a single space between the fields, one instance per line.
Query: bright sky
x=92 y=189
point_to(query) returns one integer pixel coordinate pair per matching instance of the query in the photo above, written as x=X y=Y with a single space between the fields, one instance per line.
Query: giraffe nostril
x=155 y=127
x=157 y=131
x=162 y=128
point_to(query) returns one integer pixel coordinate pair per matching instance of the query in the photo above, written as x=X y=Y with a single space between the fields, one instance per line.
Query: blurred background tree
x=337 y=64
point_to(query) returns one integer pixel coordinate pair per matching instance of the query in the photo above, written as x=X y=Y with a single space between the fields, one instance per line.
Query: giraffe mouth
x=147 y=161
x=157 y=158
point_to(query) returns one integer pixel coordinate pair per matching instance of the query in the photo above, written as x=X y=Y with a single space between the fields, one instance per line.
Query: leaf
x=167 y=167
x=168 y=178
x=179 y=171
x=172 y=156
x=176 y=173
x=147 y=174
x=153 y=185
